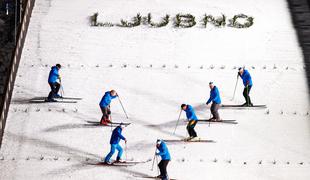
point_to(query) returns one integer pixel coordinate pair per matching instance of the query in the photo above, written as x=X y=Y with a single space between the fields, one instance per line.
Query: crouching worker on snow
x=105 y=106
x=163 y=152
x=114 y=141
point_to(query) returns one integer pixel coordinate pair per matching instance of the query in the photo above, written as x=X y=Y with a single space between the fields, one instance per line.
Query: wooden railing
x=14 y=64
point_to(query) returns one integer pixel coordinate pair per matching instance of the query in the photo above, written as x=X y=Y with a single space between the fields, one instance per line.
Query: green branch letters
x=179 y=21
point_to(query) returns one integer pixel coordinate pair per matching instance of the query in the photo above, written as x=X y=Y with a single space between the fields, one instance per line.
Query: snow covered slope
x=154 y=70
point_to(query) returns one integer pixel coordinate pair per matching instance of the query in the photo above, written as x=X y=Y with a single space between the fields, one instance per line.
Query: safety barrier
x=14 y=64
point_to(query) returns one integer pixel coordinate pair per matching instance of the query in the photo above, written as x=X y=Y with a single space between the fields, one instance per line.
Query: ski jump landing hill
x=154 y=70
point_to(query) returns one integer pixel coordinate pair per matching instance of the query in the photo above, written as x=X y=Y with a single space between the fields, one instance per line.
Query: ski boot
x=195 y=139
x=108 y=162
x=50 y=100
x=159 y=176
x=103 y=122
x=188 y=138
x=57 y=96
x=119 y=160
x=245 y=105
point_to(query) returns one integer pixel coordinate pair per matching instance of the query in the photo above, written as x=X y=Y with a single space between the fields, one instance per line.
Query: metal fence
x=14 y=64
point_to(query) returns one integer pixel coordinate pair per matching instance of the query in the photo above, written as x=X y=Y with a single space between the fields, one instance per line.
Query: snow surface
x=154 y=70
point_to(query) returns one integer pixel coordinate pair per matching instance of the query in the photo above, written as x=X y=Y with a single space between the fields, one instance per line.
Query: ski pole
x=154 y=159
x=157 y=164
x=111 y=122
x=235 y=87
x=210 y=120
x=153 y=162
x=126 y=150
x=110 y=116
x=62 y=92
x=122 y=106
x=177 y=122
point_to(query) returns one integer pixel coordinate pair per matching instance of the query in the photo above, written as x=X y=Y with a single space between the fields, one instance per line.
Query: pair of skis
x=121 y=163
x=150 y=177
x=243 y=106
x=230 y=121
x=57 y=100
x=94 y=123
x=231 y=106
x=187 y=140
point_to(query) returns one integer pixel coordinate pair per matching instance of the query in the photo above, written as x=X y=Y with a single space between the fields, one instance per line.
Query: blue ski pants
x=112 y=151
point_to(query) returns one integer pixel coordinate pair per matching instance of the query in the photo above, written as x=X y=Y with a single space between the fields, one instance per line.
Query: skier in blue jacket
x=216 y=101
x=114 y=141
x=54 y=82
x=163 y=152
x=105 y=106
x=247 y=82
x=192 y=120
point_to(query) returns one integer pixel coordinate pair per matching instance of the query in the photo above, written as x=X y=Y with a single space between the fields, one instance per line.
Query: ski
x=220 y=121
x=99 y=125
x=122 y=163
x=125 y=123
x=112 y=164
x=131 y=162
x=188 y=141
x=44 y=101
x=150 y=177
x=113 y=123
x=69 y=98
x=72 y=98
x=241 y=106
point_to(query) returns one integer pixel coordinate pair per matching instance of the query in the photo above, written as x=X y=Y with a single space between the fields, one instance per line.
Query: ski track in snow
x=155 y=70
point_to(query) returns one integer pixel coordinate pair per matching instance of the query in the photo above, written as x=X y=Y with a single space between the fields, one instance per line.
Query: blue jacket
x=106 y=99
x=214 y=96
x=246 y=78
x=116 y=135
x=163 y=151
x=190 y=113
x=54 y=75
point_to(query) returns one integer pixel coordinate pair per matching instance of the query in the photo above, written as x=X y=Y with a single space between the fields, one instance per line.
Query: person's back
x=106 y=99
x=215 y=95
x=116 y=135
x=164 y=152
x=53 y=75
x=190 y=113
x=246 y=78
